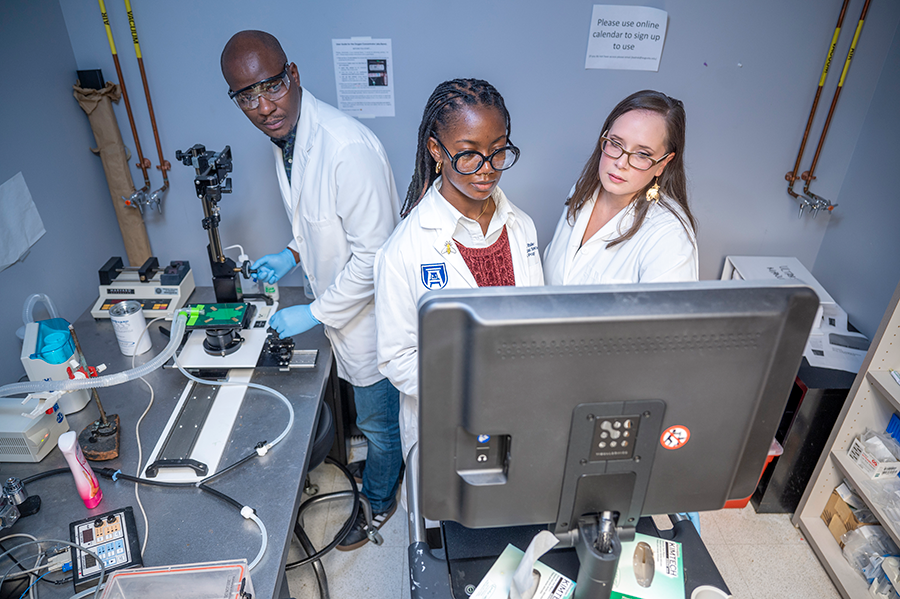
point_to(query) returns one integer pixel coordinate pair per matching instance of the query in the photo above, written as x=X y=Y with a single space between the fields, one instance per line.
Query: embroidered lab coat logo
x=434 y=276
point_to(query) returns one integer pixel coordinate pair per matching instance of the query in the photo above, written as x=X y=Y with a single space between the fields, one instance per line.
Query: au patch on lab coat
x=434 y=276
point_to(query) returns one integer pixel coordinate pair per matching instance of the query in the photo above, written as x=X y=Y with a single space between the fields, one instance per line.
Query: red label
x=675 y=437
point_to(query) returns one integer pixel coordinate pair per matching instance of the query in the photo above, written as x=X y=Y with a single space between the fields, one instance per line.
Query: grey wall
x=46 y=136
x=747 y=72
x=859 y=261
x=745 y=122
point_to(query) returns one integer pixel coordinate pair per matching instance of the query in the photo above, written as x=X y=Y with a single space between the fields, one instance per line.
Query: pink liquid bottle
x=85 y=479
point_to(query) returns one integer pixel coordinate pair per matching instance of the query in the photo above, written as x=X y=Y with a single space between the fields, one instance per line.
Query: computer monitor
x=541 y=405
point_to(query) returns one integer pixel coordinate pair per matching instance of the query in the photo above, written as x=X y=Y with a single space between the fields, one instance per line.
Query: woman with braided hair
x=458 y=230
x=627 y=218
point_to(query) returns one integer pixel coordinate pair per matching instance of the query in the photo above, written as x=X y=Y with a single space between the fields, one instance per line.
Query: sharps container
x=128 y=321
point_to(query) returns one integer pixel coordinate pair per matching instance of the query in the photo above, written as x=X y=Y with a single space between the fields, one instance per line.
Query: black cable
x=114 y=475
x=17 y=587
x=347 y=525
x=60 y=582
x=22 y=568
x=243 y=460
x=109 y=472
x=221 y=496
x=4 y=550
x=41 y=475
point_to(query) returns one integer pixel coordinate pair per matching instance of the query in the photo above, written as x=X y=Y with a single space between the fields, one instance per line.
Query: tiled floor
x=759 y=555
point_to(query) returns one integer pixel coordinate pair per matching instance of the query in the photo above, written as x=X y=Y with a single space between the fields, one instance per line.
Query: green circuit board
x=218 y=316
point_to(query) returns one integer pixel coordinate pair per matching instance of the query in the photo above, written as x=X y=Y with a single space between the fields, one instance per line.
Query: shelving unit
x=874 y=397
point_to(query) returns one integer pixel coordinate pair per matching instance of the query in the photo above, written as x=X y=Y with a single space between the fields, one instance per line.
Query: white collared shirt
x=468 y=231
x=420 y=256
x=661 y=251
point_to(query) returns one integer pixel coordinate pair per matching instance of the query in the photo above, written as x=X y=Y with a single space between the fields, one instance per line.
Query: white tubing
x=261 y=451
x=247 y=512
x=28 y=309
x=34 y=298
x=107 y=380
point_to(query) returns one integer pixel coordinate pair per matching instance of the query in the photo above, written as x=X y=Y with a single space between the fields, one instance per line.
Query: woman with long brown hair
x=627 y=219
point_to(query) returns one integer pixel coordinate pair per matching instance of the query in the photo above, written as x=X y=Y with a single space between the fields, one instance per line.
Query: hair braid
x=446 y=99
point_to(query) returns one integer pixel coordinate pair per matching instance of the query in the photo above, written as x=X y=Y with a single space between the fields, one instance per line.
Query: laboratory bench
x=188 y=525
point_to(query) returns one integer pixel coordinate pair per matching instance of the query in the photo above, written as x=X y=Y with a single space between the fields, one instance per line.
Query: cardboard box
x=839 y=517
x=869 y=463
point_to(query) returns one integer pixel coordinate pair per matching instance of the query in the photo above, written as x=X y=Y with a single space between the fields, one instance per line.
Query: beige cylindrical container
x=128 y=321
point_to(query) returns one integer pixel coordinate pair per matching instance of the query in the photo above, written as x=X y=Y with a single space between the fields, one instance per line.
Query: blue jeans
x=378 y=417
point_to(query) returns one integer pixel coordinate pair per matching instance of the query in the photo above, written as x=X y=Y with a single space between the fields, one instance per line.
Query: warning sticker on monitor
x=675 y=437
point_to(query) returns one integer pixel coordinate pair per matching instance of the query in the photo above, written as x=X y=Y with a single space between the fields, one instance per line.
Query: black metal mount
x=210 y=182
x=212 y=170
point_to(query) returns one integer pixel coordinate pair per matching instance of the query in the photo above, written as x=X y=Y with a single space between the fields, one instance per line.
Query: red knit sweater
x=492 y=266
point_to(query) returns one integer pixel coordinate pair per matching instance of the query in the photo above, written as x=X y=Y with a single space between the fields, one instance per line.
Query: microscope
x=227 y=341
x=210 y=182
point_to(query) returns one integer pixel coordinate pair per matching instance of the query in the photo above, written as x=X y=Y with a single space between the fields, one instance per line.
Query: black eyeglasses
x=469 y=162
x=273 y=88
x=639 y=160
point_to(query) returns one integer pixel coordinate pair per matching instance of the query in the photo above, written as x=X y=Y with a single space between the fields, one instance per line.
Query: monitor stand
x=598 y=547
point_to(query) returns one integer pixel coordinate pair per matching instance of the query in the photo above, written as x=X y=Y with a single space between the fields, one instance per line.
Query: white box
x=776 y=268
x=869 y=464
x=25 y=438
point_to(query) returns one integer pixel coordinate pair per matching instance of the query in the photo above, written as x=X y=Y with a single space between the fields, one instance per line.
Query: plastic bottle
x=270 y=289
x=85 y=479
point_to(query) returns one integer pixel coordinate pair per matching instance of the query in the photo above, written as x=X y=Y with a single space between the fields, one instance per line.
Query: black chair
x=325 y=431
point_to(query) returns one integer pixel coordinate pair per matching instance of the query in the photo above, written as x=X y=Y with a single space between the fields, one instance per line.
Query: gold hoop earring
x=437 y=167
x=652 y=194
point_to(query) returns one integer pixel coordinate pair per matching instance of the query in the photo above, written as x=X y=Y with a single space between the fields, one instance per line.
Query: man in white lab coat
x=340 y=197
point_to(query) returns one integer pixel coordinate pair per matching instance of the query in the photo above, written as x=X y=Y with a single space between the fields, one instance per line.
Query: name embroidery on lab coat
x=434 y=276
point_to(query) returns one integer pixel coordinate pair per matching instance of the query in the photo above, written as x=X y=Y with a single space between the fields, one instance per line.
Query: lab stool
x=322 y=445
x=325 y=432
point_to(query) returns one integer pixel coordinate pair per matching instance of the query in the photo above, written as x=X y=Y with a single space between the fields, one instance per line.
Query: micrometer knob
x=184 y=157
x=246 y=269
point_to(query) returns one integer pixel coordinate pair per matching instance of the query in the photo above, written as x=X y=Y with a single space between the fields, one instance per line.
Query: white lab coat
x=660 y=252
x=417 y=253
x=343 y=205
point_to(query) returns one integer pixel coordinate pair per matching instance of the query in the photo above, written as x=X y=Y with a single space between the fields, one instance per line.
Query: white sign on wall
x=364 y=74
x=626 y=37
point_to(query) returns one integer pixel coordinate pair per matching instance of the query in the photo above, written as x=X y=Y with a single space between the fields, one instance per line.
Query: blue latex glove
x=274 y=266
x=293 y=321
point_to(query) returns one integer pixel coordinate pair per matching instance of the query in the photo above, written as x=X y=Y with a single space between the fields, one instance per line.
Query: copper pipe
x=144 y=164
x=164 y=164
x=809 y=175
x=792 y=176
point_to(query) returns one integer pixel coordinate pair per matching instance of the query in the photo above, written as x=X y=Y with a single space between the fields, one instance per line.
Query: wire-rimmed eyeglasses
x=639 y=160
